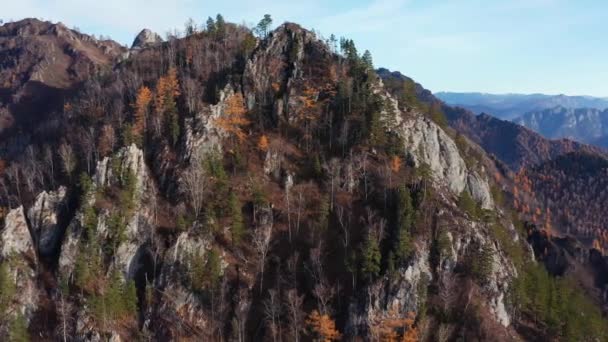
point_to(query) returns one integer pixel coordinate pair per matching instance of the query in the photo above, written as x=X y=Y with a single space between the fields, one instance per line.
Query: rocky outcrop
x=428 y=144
x=17 y=251
x=16 y=238
x=480 y=190
x=43 y=217
x=270 y=76
x=202 y=135
x=146 y=38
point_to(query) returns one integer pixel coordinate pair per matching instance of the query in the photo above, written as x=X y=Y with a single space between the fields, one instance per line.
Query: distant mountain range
x=588 y=125
x=511 y=106
x=580 y=118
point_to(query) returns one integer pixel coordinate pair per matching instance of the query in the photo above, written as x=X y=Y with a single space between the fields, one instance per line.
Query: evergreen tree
x=18 y=329
x=220 y=26
x=130 y=297
x=405 y=218
x=213 y=270
x=370 y=258
x=7 y=287
x=264 y=25
x=367 y=60
x=238 y=227
x=468 y=204
x=211 y=26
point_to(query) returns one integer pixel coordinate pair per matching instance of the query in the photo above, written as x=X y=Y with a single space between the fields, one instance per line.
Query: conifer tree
x=370 y=258
x=238 y=227
x=405 y=218
x=7 y=287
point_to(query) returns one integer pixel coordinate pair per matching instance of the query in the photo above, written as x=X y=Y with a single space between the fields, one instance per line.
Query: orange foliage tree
x=394 y=328
x=234 y=118
x=322 y=327
x=141 y=107
x=167 y=90
x=395 y=163
x=263 y=143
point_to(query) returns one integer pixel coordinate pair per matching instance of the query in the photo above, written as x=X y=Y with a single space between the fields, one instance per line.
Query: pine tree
x=213 y=270
x=220 y=26
x=238 y=227
x=130 y=297
x=211 y=26
x=7 y=287
x=405 y=217
x=367 y=60
x=18 y=330
x=370 y=258
x=264 y=26
x=468 y=204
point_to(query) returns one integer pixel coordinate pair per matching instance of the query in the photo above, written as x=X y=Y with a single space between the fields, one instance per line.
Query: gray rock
x=16 y=238
x=146 y=38
x=43 y=216
x=428 y=144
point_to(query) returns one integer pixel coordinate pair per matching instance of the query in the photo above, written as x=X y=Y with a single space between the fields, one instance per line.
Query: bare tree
x=64 y=313
x=31 y=170
x=240 y=315
x=13 y=172
x=68 y=160
x=195 y=184
x=191 y=93
x=261 y=241
x=49 y=163
x=272 y=311
x=294 y=310
x=87 y=137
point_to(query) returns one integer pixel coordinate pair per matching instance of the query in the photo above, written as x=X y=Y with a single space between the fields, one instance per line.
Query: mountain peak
x=146 y=38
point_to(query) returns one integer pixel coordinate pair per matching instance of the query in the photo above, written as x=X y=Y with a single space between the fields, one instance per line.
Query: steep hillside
x=224 y=186
x=586 y=125
x=42 y=63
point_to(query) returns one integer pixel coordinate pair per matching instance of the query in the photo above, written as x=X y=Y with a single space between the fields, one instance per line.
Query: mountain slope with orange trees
x=246 y=186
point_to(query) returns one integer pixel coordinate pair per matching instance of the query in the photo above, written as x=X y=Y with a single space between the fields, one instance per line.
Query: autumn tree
x=396 y=164
x=394 y=327
x=234 y=118
x=263 y=143
x=167 y=91
x=322 y=327
x=141 y=107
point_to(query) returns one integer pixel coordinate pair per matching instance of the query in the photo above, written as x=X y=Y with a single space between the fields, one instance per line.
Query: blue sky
x=514 y=46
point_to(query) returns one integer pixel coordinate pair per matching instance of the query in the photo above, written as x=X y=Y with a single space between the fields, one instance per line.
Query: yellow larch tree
x=263 y=143
x=322 y=327
x=395 y=164
x=167 y=90
x=235 y=117
x=387 y=329
x=141 y=107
